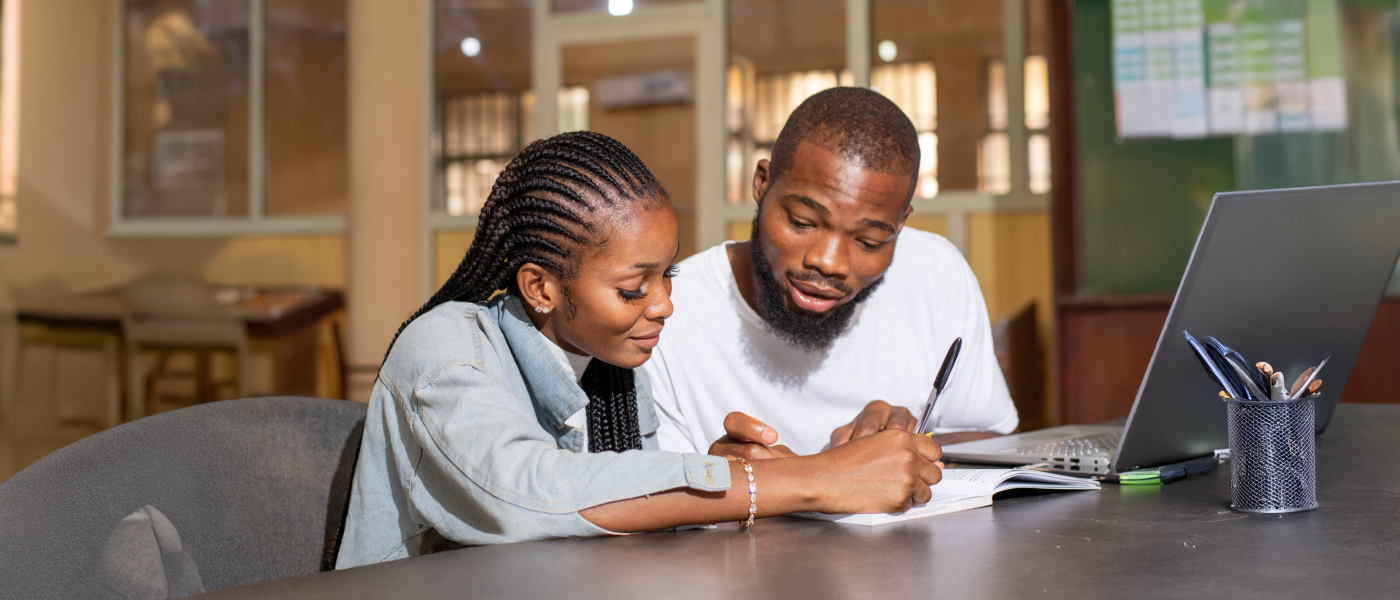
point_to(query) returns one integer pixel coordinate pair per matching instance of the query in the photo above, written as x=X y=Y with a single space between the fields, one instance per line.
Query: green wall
x=1142 y=201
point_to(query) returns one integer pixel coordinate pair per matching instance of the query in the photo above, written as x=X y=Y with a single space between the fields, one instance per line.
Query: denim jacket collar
x=553 y=388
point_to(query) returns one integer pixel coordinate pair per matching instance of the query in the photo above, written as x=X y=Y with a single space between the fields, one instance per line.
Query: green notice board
x=1141 y=201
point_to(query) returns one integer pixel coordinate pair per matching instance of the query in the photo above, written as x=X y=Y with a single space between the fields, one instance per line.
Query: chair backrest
x=257 y=489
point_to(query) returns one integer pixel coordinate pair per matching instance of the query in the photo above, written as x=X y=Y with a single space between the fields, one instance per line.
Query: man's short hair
x=859 y=125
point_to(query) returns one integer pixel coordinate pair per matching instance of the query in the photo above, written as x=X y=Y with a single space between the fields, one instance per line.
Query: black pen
x=925 y=423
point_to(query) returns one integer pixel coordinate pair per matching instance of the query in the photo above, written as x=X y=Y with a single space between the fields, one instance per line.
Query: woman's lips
x=649 y=341
x=813 y=299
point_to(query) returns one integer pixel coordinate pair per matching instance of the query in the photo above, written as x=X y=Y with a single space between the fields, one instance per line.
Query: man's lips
x=814 y=298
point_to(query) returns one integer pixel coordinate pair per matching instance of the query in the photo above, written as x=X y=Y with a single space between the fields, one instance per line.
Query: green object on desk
x=1141 y=477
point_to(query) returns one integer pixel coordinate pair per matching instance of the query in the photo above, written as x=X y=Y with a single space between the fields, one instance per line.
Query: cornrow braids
x=612 y=408
x=542 y=209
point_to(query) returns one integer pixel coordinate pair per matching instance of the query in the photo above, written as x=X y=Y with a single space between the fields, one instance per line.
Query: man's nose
x=828 y=256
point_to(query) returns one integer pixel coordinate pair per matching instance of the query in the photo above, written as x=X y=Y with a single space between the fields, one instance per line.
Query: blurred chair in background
x=248 y=490
x=170 y=316
x=1017 y=342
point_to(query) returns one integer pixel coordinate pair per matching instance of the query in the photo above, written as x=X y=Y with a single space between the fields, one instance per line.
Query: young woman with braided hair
x=519 y=416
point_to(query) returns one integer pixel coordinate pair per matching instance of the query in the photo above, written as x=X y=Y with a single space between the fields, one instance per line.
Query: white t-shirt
x=716 y=356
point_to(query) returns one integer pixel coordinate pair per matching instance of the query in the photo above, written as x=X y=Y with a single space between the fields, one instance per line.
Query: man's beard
x=809 y=332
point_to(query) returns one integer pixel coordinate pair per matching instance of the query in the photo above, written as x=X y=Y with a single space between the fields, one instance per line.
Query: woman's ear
x=539 y=289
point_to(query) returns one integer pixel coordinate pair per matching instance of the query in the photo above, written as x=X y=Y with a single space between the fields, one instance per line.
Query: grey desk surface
x=1177 y=541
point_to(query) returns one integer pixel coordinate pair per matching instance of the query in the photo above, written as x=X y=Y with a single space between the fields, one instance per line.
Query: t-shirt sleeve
x=976 y=397
x=673 y=435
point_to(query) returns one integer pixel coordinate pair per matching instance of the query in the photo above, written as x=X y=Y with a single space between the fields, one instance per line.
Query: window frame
x=9 y=117
x=256 y=222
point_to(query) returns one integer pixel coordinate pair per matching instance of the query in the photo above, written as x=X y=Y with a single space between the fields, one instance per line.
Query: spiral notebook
x=966 y=489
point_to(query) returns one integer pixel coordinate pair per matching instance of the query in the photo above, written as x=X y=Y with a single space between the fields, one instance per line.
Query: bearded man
x=831 y=322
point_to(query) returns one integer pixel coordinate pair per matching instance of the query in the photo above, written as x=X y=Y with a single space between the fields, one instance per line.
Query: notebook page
x=972 y=482
x=1025 y=478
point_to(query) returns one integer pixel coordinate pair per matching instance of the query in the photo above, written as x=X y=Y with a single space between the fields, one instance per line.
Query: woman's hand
x=885 y=472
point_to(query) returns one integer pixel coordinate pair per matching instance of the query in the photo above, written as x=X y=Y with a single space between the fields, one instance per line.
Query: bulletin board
x=1144 y=189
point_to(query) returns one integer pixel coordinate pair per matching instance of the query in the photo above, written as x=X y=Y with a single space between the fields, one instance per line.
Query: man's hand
x=876 y=417
x=749 y=438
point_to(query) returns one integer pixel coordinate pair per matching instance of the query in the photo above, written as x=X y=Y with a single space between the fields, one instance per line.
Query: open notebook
x=965 y=489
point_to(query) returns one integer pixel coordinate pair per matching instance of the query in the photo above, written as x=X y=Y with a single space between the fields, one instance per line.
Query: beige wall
x=449 y=246
x=388 y=78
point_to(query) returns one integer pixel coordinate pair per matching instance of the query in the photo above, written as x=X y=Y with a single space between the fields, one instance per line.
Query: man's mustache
x=815 y=277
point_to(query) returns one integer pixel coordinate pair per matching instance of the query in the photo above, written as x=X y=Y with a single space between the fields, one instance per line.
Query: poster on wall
x=188 y=159
x=1192 y=68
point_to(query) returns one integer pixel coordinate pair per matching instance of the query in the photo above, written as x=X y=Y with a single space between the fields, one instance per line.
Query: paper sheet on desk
x=966 y=489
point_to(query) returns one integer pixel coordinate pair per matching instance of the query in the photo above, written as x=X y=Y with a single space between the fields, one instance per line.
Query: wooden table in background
x=288 y=316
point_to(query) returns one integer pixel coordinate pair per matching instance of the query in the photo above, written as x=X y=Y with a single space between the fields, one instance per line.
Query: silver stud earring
x=541 y=309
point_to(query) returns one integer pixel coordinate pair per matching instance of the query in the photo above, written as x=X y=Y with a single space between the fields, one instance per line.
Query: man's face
x=826 y=230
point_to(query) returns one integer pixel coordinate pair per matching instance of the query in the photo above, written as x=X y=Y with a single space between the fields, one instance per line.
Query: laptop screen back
x=1287 y=277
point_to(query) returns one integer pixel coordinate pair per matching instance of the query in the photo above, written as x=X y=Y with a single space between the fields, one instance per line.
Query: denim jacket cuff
x=706 y=473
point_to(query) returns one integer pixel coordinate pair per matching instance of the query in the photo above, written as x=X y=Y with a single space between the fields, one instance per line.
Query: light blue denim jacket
x=465 y=441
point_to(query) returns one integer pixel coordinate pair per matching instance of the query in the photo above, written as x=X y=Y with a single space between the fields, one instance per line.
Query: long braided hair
x=546 y=206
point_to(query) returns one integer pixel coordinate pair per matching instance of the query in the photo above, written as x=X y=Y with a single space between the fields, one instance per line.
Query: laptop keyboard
x=1080 y=446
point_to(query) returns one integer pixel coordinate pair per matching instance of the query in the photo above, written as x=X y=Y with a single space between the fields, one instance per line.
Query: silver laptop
x=1287 y=277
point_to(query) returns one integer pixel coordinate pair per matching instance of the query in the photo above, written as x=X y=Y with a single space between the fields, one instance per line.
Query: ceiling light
x=471 y=46
x=887 y=50
x=618 y=8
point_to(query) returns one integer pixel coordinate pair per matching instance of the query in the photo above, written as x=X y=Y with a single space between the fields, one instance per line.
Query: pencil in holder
x=1273 y=459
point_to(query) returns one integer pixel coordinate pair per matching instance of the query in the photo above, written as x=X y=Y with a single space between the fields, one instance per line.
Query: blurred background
x=212 y=199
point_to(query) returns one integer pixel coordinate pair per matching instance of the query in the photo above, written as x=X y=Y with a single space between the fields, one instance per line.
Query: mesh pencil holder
x=1273 y=460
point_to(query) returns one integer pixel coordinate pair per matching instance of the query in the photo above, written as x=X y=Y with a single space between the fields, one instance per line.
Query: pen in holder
x=1273 y=460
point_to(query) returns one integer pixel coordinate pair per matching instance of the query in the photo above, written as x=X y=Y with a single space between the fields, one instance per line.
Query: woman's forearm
x=781 y=489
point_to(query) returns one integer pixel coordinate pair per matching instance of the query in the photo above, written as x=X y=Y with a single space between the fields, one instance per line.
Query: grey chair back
x=257 y=489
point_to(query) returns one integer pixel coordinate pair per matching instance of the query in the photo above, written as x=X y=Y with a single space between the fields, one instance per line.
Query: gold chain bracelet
x=753 y=493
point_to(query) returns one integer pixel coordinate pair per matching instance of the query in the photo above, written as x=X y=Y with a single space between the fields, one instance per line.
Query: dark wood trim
x=1064 y=161
x=1080 y=302
x=1064 y=188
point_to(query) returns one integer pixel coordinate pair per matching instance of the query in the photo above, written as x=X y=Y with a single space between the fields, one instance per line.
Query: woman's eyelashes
x=641 y=292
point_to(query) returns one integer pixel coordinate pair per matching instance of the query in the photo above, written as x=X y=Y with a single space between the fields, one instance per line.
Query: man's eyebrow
x=881 y=225
x=809 y=203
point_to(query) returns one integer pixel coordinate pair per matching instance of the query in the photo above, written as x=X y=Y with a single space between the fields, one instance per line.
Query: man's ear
x=908 y=210
x=761 y=180
x=540 y=290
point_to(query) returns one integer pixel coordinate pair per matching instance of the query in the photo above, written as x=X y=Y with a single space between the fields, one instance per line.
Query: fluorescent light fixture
x=618 y=8
x=887 y=50
x=471 y=46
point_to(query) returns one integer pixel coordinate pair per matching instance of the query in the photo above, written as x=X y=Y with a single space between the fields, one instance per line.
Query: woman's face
x=622 y=294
